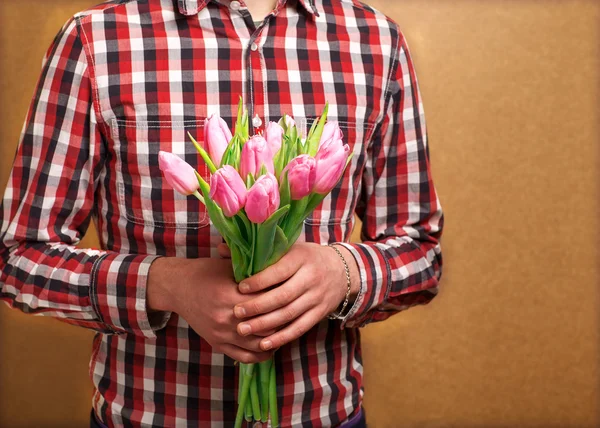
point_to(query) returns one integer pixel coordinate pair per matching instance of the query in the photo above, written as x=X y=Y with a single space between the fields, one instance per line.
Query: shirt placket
x=252 y=39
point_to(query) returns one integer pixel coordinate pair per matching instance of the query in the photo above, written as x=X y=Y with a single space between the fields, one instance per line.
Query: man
x=128 y=78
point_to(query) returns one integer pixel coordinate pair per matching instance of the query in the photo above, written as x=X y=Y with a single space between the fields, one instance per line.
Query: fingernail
x=244 y=287
x=239 y=311
x=266 y=345
x=245 y=329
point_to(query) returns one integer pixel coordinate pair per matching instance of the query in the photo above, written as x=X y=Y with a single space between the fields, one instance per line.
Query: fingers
x=224 y=251
x=243 y=355
x=273 y=320
x=265 y=333
x=292 y=332
x=268 y=302
x=273 y=275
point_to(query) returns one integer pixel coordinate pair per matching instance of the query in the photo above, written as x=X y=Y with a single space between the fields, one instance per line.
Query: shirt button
x=254 y=47
x=256 y=122
x=235 y=5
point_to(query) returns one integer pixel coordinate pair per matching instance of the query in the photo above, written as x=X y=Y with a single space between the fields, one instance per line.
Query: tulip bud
x=331 y=160
x=228 y=190
x=331 y=130
x=263 y=199
x=301 y=175
x=255 y=154
x=217 y=136
x=179 y=174
x=289 y=122
x=274 y=136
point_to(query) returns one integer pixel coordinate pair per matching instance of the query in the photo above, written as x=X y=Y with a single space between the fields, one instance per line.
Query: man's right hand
x=203 y=292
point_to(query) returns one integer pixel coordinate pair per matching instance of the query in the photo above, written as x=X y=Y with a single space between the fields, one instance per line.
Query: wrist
x=348 y=280
x=160 y=275
x=354 y=272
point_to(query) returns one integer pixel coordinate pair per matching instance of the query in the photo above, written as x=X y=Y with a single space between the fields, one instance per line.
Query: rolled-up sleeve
x=48 y=205
x=399 y=258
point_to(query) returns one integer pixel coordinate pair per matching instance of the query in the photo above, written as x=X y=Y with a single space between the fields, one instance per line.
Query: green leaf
x=242 y=227
x=236 y=154
x=239 y=262
x=203 y=184
x=264 y=239
x=313 y=202
x=242 y=215
x=284 y=190
x=228 y=153
x=280 y=246
x=276 y=162
x=211 y=166
x=315 y=137
x=291 y=152
x=296 y=214
x=279 y=159
x=263 y=170
x=239 y=119
x=294 y=134
x=249 y=181
x=241 y=123
x=294 y=236
x=312 y=128
x=299 y=147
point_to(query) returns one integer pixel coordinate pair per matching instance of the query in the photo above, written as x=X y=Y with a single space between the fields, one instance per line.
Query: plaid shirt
x=127 y=78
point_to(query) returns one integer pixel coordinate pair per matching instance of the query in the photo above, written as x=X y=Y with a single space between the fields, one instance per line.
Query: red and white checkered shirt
x=127 y=78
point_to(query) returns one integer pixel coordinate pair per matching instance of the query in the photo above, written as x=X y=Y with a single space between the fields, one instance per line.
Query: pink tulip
x=255 y=154
x=228 y=190
x=289 y=122
x=179 y=174
x=301 y=173
x=331 y=161
x=331 y=130
x=263 y=199
x=217 y=136
x=274 y=136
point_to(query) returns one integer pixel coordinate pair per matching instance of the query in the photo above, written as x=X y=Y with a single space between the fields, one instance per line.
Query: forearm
x=163 y=276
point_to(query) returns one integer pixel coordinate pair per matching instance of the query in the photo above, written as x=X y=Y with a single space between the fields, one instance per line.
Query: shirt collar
x=192 y=7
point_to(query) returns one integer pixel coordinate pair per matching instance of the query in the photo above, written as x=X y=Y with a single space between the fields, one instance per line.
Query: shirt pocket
x=338 y=206
x=145 y=198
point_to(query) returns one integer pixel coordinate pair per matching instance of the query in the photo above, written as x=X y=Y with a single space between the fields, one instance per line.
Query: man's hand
x=203 y=292
x=313 y=284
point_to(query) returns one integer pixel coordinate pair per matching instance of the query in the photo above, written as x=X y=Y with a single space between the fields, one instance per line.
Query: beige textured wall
x=511 y=92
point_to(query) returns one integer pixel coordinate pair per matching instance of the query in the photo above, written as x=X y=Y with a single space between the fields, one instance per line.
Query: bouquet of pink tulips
x=261 y=190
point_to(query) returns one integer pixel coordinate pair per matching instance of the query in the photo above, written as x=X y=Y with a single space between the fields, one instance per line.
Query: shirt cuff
x=375 y=275
x=118 y=294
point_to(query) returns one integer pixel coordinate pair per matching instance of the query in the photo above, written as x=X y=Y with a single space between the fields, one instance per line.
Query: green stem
x=264 y=373
x=252 y=249
x=240 y=383
x=273 y=398
x=246 y=371
x=248 y=411
x=199 y=197
x=254 y=398
x=259 y=391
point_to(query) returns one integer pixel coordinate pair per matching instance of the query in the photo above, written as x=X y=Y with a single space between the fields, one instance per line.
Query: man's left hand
x=309 y=282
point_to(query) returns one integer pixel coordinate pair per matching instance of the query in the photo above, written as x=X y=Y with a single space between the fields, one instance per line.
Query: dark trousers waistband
x=357 y=421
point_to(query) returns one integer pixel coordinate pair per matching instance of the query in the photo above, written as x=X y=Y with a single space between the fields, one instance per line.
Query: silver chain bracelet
x=339 y=316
